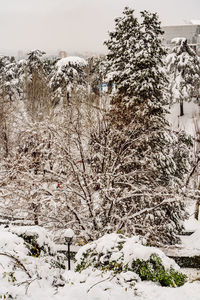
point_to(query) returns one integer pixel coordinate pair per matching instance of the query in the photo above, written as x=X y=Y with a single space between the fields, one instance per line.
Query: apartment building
x=191 y=32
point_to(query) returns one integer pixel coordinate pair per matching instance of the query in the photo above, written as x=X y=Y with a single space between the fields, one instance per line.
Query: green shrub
x=118 y=254
x=154 y=270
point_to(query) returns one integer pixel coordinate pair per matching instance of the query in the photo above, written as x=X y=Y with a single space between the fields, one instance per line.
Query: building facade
x=190 y=32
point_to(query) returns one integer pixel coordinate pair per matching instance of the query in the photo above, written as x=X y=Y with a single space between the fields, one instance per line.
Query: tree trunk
x=196 y=213
x=181 y=109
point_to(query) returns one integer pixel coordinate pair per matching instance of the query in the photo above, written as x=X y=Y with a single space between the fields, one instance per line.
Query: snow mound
x=11 y=244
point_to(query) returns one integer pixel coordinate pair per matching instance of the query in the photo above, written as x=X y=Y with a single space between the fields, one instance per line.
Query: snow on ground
x=94 y=288
x=90 y=284
x=192 y=274
x=192 y=224
x=186 y=122
x=192 y=242
x=144 y=291
x=109 y=290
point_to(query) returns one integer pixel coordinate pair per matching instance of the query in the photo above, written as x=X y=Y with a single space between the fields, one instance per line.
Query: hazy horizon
x=78 y=26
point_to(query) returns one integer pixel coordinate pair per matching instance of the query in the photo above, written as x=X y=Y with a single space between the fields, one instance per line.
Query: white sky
x=77 y=25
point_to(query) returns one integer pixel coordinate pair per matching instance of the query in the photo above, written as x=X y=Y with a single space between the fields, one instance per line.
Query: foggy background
x=76 y=25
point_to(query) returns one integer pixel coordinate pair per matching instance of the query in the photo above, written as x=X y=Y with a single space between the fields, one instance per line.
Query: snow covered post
x=68 y=236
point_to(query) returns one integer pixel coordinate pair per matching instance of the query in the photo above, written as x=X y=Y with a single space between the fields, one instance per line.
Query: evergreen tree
x=184 y=72
x=135 y=158
x=9 y=82
x=122 y=47
x=35 y=62
x=68 y=76
x=97 y=73
x=34 y=83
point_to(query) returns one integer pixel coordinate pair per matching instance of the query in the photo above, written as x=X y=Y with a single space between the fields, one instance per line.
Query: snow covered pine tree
x=138 y=166
x=183 y=66
x=68 y=76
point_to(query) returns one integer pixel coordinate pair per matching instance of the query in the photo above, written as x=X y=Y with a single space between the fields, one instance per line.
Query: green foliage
x=116 y=267
x=116 y=261
x=6 y=296
x=10 y=275
x=154 y=270
x=33 y=246
x=151 y=270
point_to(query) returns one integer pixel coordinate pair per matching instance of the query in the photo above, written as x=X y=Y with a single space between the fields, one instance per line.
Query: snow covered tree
x=9 y=81
x=30 y=175
x=136 y=158
x=9 y=94
x=35 y=62
x=97 y=73
x=68 y=76
x=183 y=66
x=122 y=47
x=37 y=95
x=44 y=180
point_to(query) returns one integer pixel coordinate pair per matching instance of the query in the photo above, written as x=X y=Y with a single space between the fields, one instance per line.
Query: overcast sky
x=77 y=25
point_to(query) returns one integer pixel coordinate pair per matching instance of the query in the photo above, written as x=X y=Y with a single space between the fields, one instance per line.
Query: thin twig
x=99 y=282
x=17 y=261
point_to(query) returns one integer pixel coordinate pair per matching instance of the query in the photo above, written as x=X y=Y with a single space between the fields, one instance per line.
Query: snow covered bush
x=118 y=253
x=27 y=254
x=36 y=239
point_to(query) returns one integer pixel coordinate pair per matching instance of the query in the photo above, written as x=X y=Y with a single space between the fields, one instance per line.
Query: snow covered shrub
x=36 y=239
x=12 y=271
x=118 y=254
x=24 y=265
x=39 y=242
x=154 y=270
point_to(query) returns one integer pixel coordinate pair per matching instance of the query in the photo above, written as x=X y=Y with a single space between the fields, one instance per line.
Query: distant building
x=62 y=54
x=20 y=55
x=191 y=32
